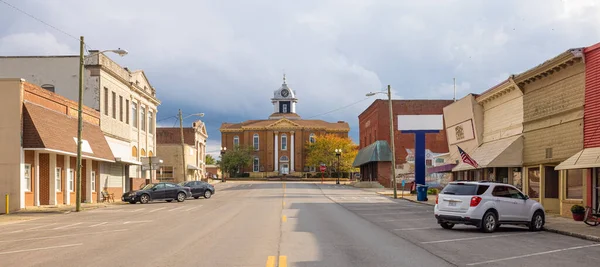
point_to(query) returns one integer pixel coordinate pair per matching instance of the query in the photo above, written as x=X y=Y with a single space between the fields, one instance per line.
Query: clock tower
x=284 y=102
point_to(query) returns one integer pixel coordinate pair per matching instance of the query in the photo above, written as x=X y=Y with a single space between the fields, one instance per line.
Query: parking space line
x=66 y=226
x=98 y=224
x=193 y=208
x=41 y=226
x=532 y=254
x=282 y=261
x=412 y=229
x=156 y=210
x=394 y=213
x=472 y=238
x=137 y=210
x=415 y=219
x=175 y=208
x=59 y=236
x=36 y=249
x=128 y=222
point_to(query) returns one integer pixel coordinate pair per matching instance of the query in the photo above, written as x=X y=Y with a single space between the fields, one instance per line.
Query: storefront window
x=533 y=179
x=550 y=182
x=575 y=184
x=502 y=175
x=478 y=175
x=517 y=178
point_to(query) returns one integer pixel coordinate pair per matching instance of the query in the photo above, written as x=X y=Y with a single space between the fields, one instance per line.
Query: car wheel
x=132 y=202
x=196 y=197
x=537 y=221
x=169 y=200
x=180 y=197
x=446 y=225
x=207 y=194
x=144 y=199
x=489 y=222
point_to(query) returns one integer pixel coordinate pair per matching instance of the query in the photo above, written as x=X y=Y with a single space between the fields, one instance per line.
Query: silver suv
x=487 y=205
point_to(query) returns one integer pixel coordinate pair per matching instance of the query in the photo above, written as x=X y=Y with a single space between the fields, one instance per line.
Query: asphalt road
x=278 y=224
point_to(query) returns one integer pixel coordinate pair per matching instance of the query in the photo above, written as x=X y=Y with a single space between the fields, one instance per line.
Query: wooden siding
x=592 y=97
x=503 y=117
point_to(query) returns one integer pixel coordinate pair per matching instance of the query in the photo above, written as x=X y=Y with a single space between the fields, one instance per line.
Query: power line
x=340 y=108
x=39 y=20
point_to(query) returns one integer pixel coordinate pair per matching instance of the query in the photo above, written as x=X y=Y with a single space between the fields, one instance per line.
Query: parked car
x=199 y=188
x=158 y=191
x=487 y=205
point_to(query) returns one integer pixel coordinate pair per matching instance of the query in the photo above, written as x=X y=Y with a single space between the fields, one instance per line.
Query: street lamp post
x=338 y=153
x=389 y=94
x=223 y=150
x=119 y=52
x=184 y=169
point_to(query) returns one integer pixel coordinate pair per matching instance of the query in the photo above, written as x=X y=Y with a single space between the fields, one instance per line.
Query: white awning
x=192 y=167
x=586 y=158
x=507 y=152
x=128 y=161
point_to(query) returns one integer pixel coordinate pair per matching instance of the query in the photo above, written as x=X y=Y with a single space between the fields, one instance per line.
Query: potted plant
x=578 y=212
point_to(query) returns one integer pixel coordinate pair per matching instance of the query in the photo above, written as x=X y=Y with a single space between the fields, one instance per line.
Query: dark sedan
x=158 y=191
x=199 y=188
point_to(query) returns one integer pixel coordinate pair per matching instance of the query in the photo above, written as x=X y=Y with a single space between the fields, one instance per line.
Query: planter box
x=578 y=216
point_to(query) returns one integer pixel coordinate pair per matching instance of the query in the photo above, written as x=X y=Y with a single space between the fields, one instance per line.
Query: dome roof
x=284 y=92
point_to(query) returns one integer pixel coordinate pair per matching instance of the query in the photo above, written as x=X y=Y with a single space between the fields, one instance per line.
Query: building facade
x=279 y=142
x=374 y=125
x=125 y=99
x=194 y=152
x=40 y=146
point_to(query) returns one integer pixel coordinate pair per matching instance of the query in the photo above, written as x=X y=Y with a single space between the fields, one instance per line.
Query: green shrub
x=577 y=209
x=433 y=191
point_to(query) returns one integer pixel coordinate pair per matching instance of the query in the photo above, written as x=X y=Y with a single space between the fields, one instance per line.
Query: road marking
x=175 y=208
x=533 y=254
x=393 y=220
x=394 y=213
x=412 y=229
x=128 y=222
x=36 y=249
x=472 y=238
x=283 y=204
x=98 y=224
x=282 y=261
x=156 y=210
x=271 y=261
x=137 y=210
x=193 y=208
x=41 y=226
x=59 y=236
x=66 y=226
x=284 y=218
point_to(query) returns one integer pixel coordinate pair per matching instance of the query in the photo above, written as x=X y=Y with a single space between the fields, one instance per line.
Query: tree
x=323 y=151
x=234 y=160
x=210 y=160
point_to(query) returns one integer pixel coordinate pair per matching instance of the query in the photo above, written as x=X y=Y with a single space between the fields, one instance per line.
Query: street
x=278 y=224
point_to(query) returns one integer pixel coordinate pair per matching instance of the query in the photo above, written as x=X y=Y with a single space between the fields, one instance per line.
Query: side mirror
x=526 y=197
x=153 y=188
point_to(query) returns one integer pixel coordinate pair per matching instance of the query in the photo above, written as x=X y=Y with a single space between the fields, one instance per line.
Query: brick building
x=169 y=145
x=39 y=168
x=374 y=135
x=279 y=142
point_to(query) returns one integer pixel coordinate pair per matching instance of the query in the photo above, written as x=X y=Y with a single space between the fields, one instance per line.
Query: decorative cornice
x=501 y=90
x=548 y=68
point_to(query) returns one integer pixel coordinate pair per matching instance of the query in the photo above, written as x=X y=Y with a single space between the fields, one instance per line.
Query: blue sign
x=403 y=182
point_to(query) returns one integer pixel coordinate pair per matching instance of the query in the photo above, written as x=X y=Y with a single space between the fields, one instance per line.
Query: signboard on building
x=420 y=122
x=460 y=132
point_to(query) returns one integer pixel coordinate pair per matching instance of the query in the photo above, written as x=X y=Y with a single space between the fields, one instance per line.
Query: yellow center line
x=284 y=218
x=282 y=261
x=283 y=204
x=271 y=261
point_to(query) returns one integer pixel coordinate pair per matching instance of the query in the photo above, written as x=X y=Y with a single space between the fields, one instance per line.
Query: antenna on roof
x=284 y=80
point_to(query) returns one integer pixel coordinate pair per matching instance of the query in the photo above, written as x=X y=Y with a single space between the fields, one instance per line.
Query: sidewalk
x=554 y=223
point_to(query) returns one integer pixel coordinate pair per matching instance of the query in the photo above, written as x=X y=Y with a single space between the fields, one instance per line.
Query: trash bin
x=422 y=192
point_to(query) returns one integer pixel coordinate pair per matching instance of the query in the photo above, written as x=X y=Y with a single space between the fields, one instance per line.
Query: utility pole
x=184 y=169
x=79 y=126
x=389 y=91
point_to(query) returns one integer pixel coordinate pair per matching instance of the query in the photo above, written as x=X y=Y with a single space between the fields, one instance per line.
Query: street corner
x=12 y=218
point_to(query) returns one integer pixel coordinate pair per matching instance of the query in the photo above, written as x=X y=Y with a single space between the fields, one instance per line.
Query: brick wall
x=44 y=179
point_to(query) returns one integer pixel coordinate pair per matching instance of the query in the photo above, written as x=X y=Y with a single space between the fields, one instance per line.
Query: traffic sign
x=403 y=183
x=323 y=168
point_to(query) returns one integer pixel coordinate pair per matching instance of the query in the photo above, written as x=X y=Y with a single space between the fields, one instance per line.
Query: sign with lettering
x=460 y=132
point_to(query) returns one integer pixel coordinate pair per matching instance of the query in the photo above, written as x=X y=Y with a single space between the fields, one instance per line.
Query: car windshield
x=147 y=187
x=181 y=184
x=460 y=189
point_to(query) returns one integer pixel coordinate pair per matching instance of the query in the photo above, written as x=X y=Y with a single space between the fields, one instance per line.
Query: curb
x=414 y=201
x=577 y=235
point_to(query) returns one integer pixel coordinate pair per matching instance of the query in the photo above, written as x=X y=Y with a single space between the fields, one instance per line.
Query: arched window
x=134 y=152
x=236 y=140
x=283 y=142
x=255 y=141
x=256 y=164
x=143 y=153
x=311 y=138
x=150 y=154
x=284 y=159
x=48 y=87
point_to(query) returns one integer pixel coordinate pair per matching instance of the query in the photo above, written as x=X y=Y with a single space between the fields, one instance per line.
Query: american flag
x=466 y=158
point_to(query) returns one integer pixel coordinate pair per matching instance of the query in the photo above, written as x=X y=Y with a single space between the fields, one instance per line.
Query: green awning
x=378 y=151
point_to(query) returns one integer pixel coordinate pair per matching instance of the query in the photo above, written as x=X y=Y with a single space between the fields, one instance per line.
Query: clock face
x=285 y=93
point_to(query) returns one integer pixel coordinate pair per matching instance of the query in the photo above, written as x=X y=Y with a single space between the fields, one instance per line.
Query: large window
x=533 y=182
x=312 y=139
x=134 y=114
x=105 y=101
x=283 y=142
x=93 y=181
x=517 y=178
x=121 y=108
x=71 y=180
x=58 y=173
x=236 y=141
x=550 y=182
x=255 y=141
x=126 y=111
x=27 y=177
x=166 y=173
x=114 y=105
x=142 y=117
x=256 y=164
x=150 y=122
x=502 y=175
x=575 y=184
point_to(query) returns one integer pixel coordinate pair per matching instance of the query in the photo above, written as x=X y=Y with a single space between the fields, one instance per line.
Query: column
x=88 y=181
x=276 y=162
x=36 y=188
x=65 y=181
x=292 y=152
x=52 y=177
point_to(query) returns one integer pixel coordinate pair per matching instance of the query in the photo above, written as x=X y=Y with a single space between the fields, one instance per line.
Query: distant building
x=279 y=142
x=170 y=149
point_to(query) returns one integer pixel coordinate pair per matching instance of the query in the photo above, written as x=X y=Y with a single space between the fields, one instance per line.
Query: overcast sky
x=226 y=57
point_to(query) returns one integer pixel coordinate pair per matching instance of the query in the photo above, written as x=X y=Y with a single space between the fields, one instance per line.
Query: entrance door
x=551 y=202
x=596 y=188
x=285 y=168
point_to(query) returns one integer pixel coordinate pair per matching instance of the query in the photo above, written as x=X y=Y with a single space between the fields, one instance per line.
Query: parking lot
x=465 y=245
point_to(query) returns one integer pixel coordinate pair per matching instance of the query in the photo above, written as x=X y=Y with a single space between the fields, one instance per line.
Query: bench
x=107 y=197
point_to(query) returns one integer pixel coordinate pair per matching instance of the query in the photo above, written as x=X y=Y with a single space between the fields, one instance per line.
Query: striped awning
x=586 y=158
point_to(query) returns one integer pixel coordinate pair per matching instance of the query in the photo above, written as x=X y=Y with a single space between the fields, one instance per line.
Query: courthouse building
x=279 y=142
